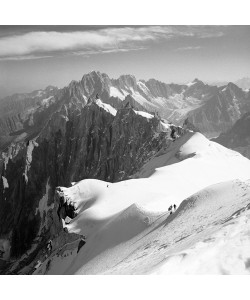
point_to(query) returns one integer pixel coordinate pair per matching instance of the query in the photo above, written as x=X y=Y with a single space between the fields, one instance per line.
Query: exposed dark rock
x=189 y=125
x=238 y=136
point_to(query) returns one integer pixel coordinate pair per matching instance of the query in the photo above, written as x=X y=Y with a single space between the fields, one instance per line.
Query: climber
x=174 y=207
x=49 y=246
x=170 y=209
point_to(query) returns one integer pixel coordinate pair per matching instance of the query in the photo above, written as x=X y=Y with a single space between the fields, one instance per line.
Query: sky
x=33 y=57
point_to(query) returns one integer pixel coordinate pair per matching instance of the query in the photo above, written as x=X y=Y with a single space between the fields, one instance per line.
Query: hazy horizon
x=33 y=57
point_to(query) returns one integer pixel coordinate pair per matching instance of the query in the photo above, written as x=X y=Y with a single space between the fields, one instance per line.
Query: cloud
x=87 y=53
x=39 y=44
x=26 y=57
x=188 y=48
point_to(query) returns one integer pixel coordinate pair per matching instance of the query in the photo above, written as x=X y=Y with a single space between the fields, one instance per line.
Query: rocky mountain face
x=237 y=137
x=212 y=109
x=221 y=108
x=24 y=114
x=81 y=139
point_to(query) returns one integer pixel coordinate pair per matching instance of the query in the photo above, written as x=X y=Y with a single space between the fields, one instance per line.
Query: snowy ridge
x=128 y=226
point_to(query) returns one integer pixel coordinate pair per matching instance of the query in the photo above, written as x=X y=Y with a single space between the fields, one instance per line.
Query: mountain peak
x=127 y=76
x=195 y=81
x=232 y=85
x=95 y=74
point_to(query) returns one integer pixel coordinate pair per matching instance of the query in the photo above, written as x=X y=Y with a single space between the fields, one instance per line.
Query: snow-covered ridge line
x=106 y=107
x=113 y=227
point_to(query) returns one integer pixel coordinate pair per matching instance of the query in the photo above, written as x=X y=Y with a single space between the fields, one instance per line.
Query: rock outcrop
x=23 y=114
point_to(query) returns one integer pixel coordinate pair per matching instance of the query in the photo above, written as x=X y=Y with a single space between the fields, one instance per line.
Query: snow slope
x=128 y=226
x=106 y=107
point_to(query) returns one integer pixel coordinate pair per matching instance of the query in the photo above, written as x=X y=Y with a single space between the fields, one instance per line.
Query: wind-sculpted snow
x=129 y=230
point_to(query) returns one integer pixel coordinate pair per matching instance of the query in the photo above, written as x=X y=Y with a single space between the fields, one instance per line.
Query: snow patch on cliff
x=190 y=83
x=143 y=87
x=115 y=92
x=144 y=114
x=164 y=127
x=43 y=207
x=47 y=100
x=106 y=107
x=139 y=98
x=31 y=145
x=11 y=153
x=5 y=182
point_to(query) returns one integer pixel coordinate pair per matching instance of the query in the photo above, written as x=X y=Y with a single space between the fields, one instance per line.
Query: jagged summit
x=195 y=82
x=232 y=85
x=126 y=77
x=95 y=73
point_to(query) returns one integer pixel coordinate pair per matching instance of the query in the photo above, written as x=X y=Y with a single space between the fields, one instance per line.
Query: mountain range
x=212 y=109
x=105 y=159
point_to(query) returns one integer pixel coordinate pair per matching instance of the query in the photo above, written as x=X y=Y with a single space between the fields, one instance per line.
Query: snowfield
x=128 y=227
